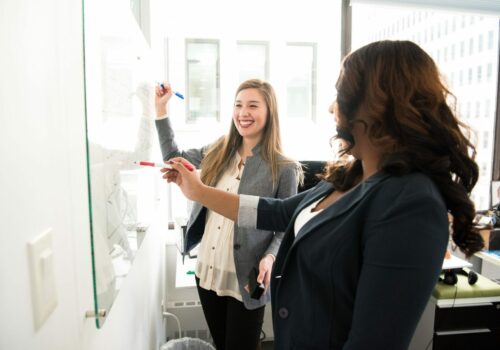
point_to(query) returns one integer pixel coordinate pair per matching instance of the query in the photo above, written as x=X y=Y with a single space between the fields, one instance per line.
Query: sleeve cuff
x=247 y=213
x=271 y=255
x=162 y=117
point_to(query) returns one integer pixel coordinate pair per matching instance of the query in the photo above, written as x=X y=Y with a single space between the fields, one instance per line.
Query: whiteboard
x=120 y=130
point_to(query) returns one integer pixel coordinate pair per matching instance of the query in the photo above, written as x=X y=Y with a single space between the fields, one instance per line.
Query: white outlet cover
x=43 y=286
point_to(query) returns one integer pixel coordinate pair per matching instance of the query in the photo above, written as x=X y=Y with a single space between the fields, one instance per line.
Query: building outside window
x=469 y=60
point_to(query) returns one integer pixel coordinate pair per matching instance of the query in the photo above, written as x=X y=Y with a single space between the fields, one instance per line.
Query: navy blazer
x=359 y=274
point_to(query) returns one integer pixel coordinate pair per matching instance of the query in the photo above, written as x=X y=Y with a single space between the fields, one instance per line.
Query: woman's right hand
x=184 y=174
x=162 y=96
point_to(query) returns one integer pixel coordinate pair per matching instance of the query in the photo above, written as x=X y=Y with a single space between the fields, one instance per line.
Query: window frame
x=267 y=57
x=189 y=119
x=314 y=79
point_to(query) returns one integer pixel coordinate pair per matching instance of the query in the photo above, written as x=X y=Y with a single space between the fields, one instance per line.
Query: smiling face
x=250 y=114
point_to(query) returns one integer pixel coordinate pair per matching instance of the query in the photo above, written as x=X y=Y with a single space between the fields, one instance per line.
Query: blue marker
x=178 y=94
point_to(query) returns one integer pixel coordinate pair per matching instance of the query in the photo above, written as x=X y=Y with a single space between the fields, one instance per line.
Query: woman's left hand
x=265 y=268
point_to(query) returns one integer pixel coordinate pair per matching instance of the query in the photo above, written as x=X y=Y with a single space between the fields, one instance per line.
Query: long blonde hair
x=222 y=152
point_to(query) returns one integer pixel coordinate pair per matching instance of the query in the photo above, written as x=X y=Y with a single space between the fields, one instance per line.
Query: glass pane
x=301 y=63
x=120 y=130
x=315 y=25
x=252 y=61
x=203 y=83
x=465 y=48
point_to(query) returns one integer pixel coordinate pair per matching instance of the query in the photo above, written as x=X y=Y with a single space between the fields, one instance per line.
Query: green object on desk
x=482 y=288
x=190 y=273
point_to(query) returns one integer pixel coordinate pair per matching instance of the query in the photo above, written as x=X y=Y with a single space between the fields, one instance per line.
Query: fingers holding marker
x=171 y=176
x=179 y=161
x=165 y=88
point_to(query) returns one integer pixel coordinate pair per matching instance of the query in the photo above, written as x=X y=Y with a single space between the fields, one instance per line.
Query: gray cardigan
x=250 y=245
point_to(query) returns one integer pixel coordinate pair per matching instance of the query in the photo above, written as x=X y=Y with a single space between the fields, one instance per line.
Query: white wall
x=43 y=184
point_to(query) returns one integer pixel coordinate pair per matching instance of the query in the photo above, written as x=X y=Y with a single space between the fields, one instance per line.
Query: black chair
x=494 y=243
x=311 y=169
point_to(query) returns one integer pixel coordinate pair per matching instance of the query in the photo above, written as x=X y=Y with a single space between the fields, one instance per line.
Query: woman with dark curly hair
x=364 y=248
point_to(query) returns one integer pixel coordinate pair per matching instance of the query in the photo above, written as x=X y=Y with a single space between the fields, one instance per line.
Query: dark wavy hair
x=409 y=115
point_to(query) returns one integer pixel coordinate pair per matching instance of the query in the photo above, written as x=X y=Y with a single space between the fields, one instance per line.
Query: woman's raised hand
x=163 y=93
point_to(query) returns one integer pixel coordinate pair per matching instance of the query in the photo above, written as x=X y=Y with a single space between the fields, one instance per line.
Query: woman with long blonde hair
x=247 y=160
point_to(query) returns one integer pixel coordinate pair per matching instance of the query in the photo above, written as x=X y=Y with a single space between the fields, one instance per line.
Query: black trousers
x=232 y=326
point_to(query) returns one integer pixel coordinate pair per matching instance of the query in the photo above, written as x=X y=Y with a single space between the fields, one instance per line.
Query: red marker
x=162 y=165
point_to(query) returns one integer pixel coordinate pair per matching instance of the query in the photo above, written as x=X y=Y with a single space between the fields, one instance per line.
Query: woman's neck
x=246 y=147
x=370 y=167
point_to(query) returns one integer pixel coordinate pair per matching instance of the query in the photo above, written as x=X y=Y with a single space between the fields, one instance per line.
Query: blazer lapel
x=340 y=207
x=320 y=190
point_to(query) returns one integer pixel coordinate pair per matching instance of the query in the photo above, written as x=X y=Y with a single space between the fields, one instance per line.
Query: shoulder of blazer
x=321 y=187
x=409 y=184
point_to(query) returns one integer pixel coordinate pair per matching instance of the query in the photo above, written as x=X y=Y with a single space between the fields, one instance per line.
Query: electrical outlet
x=43 y=286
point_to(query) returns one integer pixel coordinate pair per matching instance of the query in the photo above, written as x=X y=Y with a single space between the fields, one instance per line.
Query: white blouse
x=215 y=265
x=305 y=215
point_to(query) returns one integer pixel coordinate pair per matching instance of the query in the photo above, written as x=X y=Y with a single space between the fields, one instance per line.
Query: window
x=489 y=71
x=301 y=82
x=486 y=140
x=202 y=72
x=467 y=67
x=253 y=60
x=207 y=62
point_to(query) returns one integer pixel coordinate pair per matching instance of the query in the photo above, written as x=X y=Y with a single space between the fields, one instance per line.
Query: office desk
x=460 y=317
x=487 y=264
x=489 y=257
